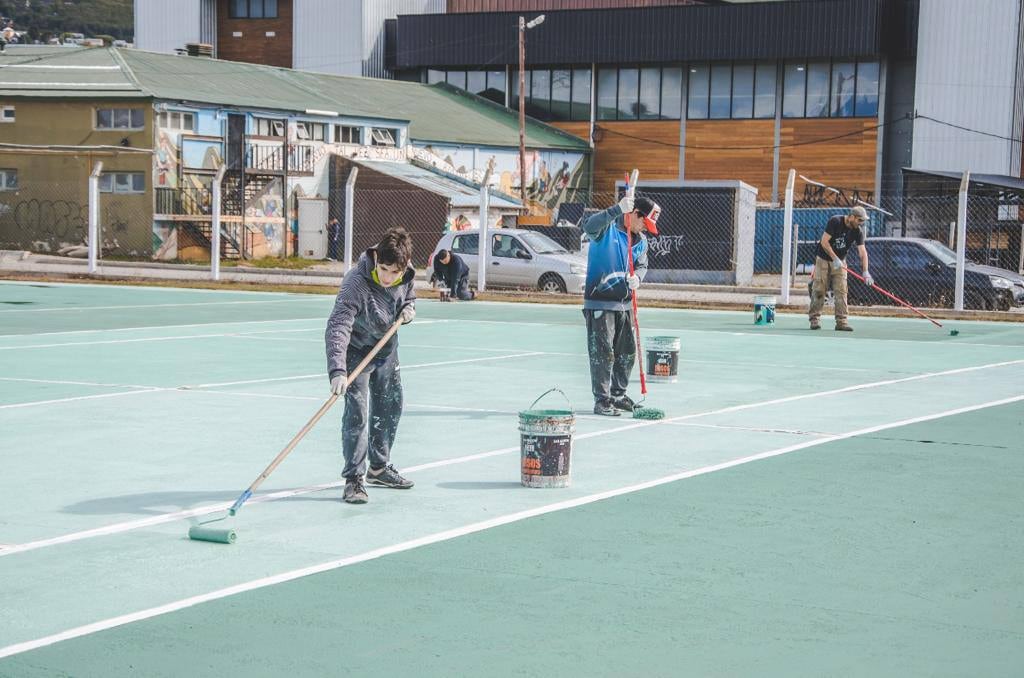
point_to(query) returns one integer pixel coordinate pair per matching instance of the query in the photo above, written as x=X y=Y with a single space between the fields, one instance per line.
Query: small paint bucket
x=444 y=294
x=764 y=310
x=662 y=358
x=545 y=440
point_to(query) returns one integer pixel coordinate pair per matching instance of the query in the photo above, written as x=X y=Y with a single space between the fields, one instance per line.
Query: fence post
x=961 y=242
x=350 y=196
x=482 y=248
x=787 y=236
x=215 y=225
x=94 y=215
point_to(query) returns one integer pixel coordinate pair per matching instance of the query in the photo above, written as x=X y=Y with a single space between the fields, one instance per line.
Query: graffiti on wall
x=45 y=224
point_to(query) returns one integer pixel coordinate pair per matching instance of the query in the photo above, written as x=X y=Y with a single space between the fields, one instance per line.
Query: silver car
x=519 y=258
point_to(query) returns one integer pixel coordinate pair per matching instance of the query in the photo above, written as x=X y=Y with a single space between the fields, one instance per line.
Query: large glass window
x=539 y=103
x=817 y=90
x=561 y=92
x=434 y=77
x=581 y=94
x=764 y=91
x=843 y=77
x=743 y=91
x=457 y=79
x=495 y=87
x=671 y=93
x=721 y=86
x=650 y=93
x=607 y=86
x=476 y=81
x=120 y=118
x=867 y=89
x=697 y=99
x=629 y=93
x=793 y=91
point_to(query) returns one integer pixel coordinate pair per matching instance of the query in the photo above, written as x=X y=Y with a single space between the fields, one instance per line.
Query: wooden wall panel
x=579 y=129
x=847 y=163
x=752 y=166
x=254 y=46
x=614 y=154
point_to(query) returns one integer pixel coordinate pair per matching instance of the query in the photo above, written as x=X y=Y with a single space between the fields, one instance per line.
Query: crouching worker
x=451 y=271
x=375 y=294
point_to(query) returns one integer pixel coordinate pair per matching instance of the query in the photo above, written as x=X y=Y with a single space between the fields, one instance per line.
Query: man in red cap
x=607 y=296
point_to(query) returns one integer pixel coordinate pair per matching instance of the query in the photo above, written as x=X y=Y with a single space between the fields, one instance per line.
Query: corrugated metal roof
x=435 y=113
x=63 y=72
x=460 y=194
x=757 y=30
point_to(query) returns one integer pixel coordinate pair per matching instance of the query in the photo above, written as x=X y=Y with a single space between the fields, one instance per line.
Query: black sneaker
x=815 y=325
x=605 y=408
x=388 y=477
x=355 y=493
x=843 y=327
x=624 y=403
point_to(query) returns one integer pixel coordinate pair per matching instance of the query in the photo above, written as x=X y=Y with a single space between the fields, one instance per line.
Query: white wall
x=346 y=37
x=966 y=74
x=162 y=26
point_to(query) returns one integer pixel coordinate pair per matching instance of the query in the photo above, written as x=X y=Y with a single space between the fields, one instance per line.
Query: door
x=313 y=228
x=510 y=262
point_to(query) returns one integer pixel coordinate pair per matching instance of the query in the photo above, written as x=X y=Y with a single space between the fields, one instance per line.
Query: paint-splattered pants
x=824 y=274
x=373 y=401
x=462 y=291
x=611 y=345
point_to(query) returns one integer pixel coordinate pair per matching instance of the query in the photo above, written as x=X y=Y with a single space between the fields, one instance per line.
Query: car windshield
x=940 y=251
x=541 y=244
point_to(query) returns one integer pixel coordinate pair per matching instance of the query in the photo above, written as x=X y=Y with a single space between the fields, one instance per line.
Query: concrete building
x=343 y=37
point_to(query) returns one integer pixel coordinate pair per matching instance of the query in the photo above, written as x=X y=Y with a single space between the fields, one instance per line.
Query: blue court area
x=814 y=503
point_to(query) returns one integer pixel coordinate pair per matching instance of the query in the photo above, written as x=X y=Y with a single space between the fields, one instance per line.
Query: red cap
x=649 y=211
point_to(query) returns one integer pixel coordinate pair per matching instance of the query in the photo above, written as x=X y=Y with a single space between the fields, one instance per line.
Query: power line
x=967 y=129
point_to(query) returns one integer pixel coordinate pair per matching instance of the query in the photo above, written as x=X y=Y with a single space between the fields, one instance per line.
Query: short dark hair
x=442 y=254
x=395 y=247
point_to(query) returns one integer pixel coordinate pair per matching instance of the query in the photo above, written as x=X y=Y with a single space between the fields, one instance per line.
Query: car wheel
x=552 y=283
x=975 y=301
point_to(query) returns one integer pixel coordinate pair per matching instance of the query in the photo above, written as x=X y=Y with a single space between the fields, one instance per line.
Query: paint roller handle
x=312 y=422
x=891 y=296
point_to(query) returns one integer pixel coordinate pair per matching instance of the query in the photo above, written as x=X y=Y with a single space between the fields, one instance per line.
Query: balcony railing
x=186 y=201
x=270 y=158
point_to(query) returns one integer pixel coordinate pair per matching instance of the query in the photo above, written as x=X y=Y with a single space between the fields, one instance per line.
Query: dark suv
x=922 y=272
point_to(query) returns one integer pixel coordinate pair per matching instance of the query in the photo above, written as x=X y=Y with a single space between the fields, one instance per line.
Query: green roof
x=435 y=113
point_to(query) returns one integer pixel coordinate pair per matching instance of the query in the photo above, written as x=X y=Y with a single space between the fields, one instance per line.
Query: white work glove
x=407 y=314
x=838 y=264
x=338 y=385
x=633 y=281
x=868 y=280
x=626 y=204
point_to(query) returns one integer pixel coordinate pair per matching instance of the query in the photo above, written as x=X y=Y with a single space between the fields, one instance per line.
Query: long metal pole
x=787 y=236
x=350 y=197
x=961 y=243
x=522 y=110
x=94 y=215
x=215 y=224
x=483 y=247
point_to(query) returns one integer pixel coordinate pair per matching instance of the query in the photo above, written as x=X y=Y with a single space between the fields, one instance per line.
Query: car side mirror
x=932 y=267
x=520 y=254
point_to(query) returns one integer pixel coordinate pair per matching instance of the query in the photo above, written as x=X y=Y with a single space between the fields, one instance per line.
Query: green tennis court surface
x=814 y=504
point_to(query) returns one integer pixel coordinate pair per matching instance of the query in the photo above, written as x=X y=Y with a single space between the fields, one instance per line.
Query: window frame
x=384 y=136
x=338 y=134
x=5 y=182
x=109 y=182
x=114 y=127
x=275 y=127
x=3 y=114
x=233 y=13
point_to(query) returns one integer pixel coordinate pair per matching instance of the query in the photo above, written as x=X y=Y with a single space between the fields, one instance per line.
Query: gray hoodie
x=363 y=313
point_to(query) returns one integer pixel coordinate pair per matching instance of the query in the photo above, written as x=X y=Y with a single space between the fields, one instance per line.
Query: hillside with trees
x=45 y=19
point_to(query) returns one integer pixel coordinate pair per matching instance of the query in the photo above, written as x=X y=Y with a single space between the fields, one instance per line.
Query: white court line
x=213 y=335
x=178 y=515
x=322 y=319
x=34 y=403
x=75 y=383
x=84 y=309
x=464 y=530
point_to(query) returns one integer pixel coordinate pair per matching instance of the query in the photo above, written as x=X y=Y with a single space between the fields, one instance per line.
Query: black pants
x=373 y=401
x=462 y=291
x=611 y=345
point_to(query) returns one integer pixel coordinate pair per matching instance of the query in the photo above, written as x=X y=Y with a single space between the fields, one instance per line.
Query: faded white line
x=75 y=383
x=35 y=403
x=171 y=517
x=86 y=309
x=464 y=530
x=322 y=319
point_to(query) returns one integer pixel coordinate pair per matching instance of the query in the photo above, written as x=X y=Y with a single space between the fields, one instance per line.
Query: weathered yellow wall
x=50 y=208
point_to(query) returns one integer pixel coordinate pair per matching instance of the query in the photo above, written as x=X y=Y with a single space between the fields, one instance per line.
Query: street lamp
x=523 y=26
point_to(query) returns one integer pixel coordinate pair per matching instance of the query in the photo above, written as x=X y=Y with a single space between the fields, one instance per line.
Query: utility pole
x=523 y=25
